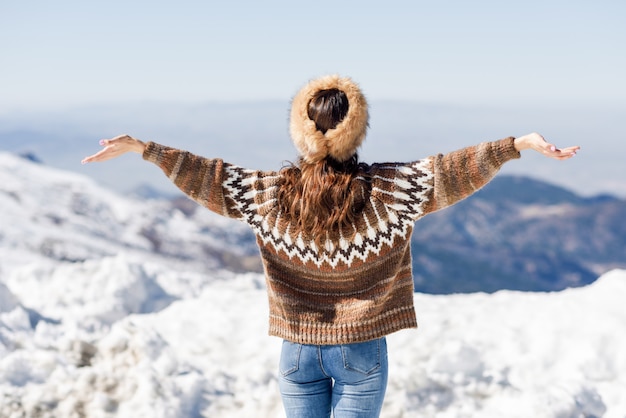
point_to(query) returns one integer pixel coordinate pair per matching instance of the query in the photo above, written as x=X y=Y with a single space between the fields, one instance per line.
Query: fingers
x=115 y=147
x=561 y=154
x=538 y=143
x=120 y=139
x=93 y=158
x=107 y=152
x=104 y=154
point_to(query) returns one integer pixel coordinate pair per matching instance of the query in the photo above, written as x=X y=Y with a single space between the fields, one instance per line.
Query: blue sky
x=70 y=52
x=75 y=71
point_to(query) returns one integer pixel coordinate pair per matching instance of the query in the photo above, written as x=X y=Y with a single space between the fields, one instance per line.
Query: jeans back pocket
x=289 y=358
x=363 y=357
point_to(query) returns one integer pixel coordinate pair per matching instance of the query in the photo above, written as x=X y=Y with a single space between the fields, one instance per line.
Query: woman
x=334 y=236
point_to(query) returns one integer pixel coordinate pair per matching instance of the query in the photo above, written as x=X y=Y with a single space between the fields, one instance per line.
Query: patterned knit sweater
x=354 y=289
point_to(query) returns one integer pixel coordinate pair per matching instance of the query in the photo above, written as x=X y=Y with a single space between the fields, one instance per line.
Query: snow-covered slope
x=112 y=329
x=123 y=355
x=52 y=215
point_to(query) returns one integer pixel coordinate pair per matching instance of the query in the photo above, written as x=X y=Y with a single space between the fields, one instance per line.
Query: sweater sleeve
x=461 y=173
x=202 y=179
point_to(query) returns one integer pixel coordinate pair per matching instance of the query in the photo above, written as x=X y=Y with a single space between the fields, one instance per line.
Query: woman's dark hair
x=320 y=196
x=327 y=108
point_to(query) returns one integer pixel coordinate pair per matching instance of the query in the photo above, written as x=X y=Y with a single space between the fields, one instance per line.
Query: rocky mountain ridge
x=521 y=234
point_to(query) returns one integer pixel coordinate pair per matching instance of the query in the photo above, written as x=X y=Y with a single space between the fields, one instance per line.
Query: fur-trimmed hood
x=340 y=143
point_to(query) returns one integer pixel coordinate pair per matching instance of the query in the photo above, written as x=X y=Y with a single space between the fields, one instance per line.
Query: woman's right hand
x=115 y=147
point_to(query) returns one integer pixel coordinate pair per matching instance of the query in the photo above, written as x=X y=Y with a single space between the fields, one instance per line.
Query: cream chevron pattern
x=406 y=186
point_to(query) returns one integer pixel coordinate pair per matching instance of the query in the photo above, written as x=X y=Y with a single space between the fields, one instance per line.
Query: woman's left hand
x=115 y=147
x=537 y=142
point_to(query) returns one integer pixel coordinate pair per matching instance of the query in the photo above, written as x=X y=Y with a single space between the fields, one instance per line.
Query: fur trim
x=340 y=143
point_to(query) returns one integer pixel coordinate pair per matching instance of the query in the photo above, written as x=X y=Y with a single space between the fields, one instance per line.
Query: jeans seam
x=321 y=362
x=378 y=361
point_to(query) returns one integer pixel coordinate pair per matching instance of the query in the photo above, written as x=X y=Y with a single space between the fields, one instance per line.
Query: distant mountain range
x=516 y=233
x=256 y=135
x=519 y=234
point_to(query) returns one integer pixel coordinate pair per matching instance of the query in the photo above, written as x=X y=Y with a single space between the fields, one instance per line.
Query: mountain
x=520 y=234
x=50 y=215
x=516 y=233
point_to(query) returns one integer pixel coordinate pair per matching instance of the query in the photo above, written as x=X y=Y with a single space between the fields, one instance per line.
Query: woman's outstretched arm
x=459 y=174
x=115 y=147
x=208 y=181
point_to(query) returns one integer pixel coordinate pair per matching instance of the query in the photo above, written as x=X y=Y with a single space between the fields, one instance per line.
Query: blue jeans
x=348 y=379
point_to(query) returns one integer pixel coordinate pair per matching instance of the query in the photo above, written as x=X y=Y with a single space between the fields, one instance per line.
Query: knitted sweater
x=351 y=290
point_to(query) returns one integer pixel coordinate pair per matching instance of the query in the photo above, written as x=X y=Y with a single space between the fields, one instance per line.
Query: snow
x=508 y=354
x=113 y=330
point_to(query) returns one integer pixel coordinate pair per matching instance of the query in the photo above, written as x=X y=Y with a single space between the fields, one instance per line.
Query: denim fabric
x=349 y=380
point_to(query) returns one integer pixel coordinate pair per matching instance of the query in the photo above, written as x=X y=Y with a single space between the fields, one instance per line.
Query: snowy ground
x=93 y=324
x=115 y=338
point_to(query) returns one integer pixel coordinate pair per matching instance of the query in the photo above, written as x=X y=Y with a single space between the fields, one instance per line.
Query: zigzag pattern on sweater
x=407 y=189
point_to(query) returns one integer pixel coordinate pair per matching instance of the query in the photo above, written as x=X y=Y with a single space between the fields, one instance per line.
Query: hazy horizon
x=255 y=135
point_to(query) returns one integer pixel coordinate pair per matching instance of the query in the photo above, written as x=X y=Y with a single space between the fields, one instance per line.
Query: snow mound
x=509 y=354
x=96 y=291
x=516 y=354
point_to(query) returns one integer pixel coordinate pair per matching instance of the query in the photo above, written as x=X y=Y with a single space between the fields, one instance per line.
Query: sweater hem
x=335 y=334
